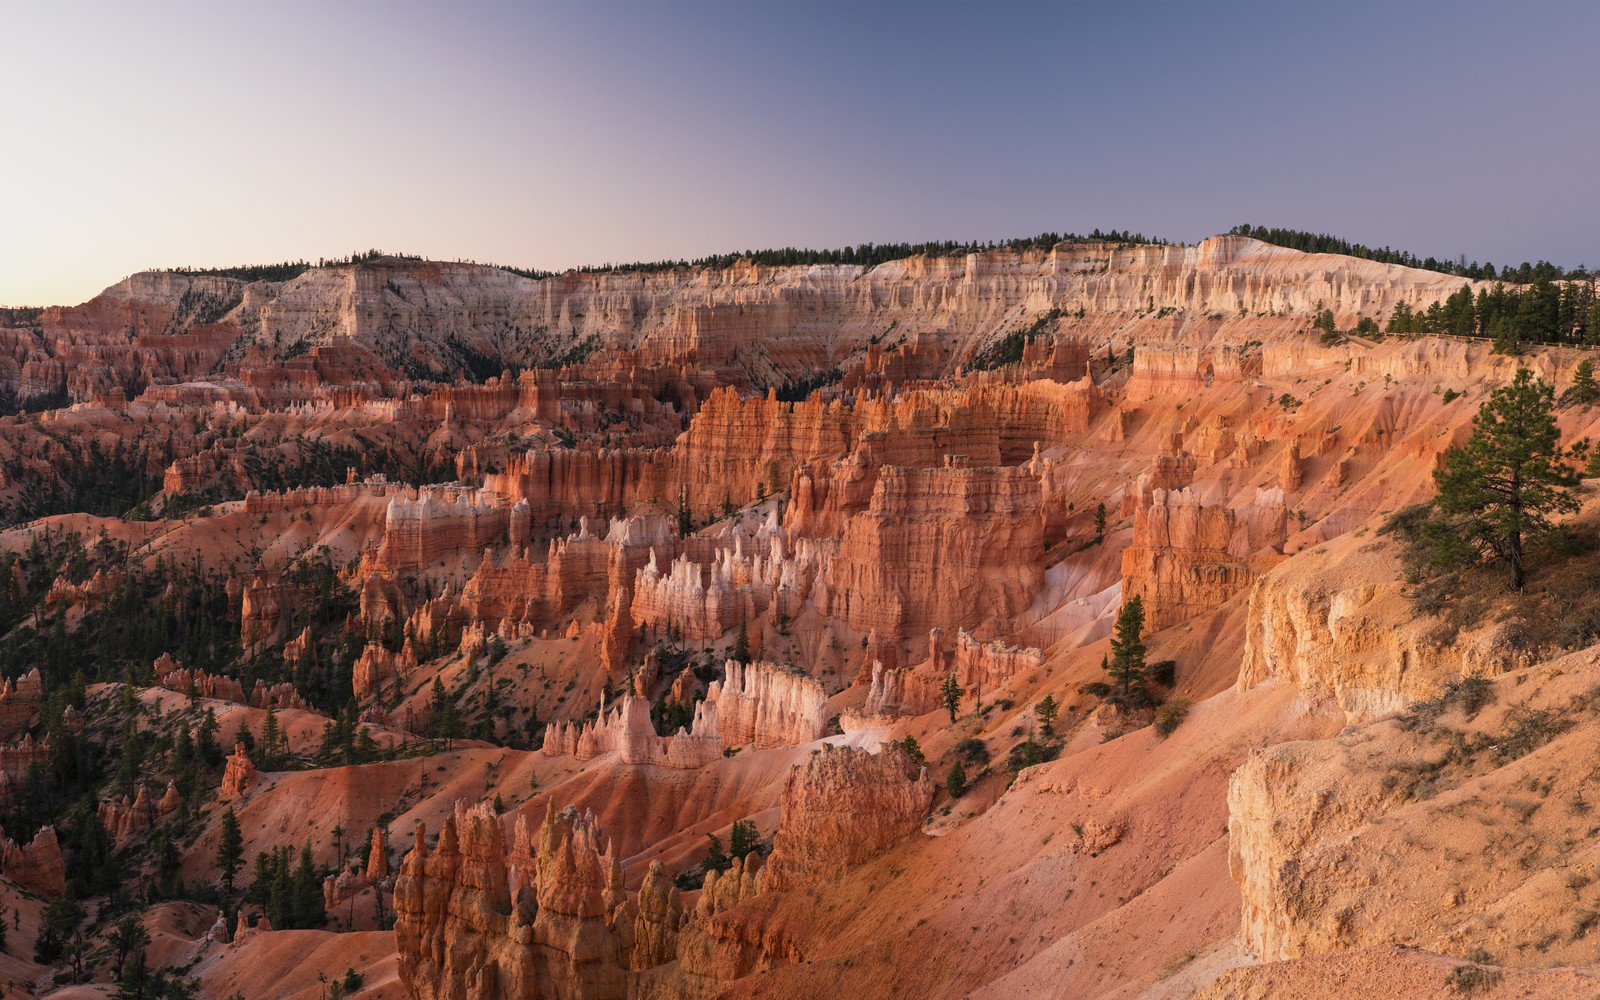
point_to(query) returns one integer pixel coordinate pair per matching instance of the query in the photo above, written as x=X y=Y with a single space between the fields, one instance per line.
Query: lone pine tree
x=1127 y=666
x=1499 y=490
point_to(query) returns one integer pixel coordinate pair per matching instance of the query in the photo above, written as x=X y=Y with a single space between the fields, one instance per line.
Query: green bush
x=1170 y=716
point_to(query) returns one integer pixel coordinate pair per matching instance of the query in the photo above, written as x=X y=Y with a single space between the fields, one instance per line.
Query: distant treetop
x=873 y=254
x=1299 y=239
x=289 y=269
x=866 y=255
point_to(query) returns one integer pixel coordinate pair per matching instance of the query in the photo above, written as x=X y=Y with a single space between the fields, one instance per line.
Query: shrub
x=956 y=783
x=1529 y=730
x=914 y=751
x=1470 y=979
x=1170 y=716
x=973 y=751
x=1030 y=752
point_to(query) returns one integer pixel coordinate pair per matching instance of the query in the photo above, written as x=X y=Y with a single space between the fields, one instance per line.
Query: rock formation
x=358 y=490
x=471 y=924
x=1189 y=555
x=841 y=808
x=125 y=818
x=239 y=774
x=37 y=865
x=628 y=732
x=19 y=703
x=768 y=705
x=946 y=546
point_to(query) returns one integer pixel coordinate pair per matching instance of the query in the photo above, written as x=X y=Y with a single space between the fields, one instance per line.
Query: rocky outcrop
x=768 y=705
x=842 y=807
x=1339 y=625
x=378 y=856
x=1460 y=827
x=239 y=774
x=37 y=865
x=476 y=922
x=658 y=916
x=715 y=947
x=441 y=523
x=126 y=819
x=628 y=732
x=709 y=589
x=1189 y=555
x=17 y=760
x=902 y=691
x=347 y=883
x=199 y=684
x=377 y=670
x=19 y=703
x=1183 y=370
x=949 y=546
x=981 y=667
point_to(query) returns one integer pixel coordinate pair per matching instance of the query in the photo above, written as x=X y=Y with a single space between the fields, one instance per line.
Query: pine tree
x=1500 y=488
x=1583 y=389
x=741 y=643
x=443 y=719
x=1127 y=665
x=743 y=838
x=261 y=885
x=280 y=900
x=685 y=518
x=309 y=909
x=230 y=850
x=270 y=735
x=956 y=783
x=716 y=860
x=1100 y=523
x=950 y=694
x=1325 y=323
x=130 y=759
x=1046 y=710
x=127 y=938
x=182 y=759
x=206 y=745
x=1504 y=333
x=914 y=751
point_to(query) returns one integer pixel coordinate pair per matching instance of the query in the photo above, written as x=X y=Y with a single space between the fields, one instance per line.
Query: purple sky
x=555 y=135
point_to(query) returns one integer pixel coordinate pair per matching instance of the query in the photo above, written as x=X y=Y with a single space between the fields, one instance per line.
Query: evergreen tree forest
x=1309 y=242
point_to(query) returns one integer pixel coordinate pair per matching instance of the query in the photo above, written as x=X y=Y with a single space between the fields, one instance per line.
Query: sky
x=555 y=135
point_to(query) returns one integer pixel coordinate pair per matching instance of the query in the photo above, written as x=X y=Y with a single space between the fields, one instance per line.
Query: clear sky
x=137 y=135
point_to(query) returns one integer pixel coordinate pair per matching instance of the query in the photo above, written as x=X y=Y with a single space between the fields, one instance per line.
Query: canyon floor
x=467 y=613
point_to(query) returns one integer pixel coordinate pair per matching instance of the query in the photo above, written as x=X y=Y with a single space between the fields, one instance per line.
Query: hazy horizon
x=555 y=136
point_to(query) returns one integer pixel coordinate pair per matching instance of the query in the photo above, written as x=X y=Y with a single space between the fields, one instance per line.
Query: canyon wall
x=768 y=705
x=842 y=807
x=1189 y=555
x=948 y=546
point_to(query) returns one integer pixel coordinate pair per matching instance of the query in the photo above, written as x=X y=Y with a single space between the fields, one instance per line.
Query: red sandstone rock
x=768 y=705
x=628 y=732
x=239 y=774
x=842 y=807
x=37 y=866
x=1189 y=555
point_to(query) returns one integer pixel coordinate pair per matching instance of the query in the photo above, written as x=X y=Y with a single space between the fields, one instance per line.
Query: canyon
x=738 y=631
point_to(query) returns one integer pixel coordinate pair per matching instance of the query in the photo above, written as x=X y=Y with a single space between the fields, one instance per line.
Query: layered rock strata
x=842 y=807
